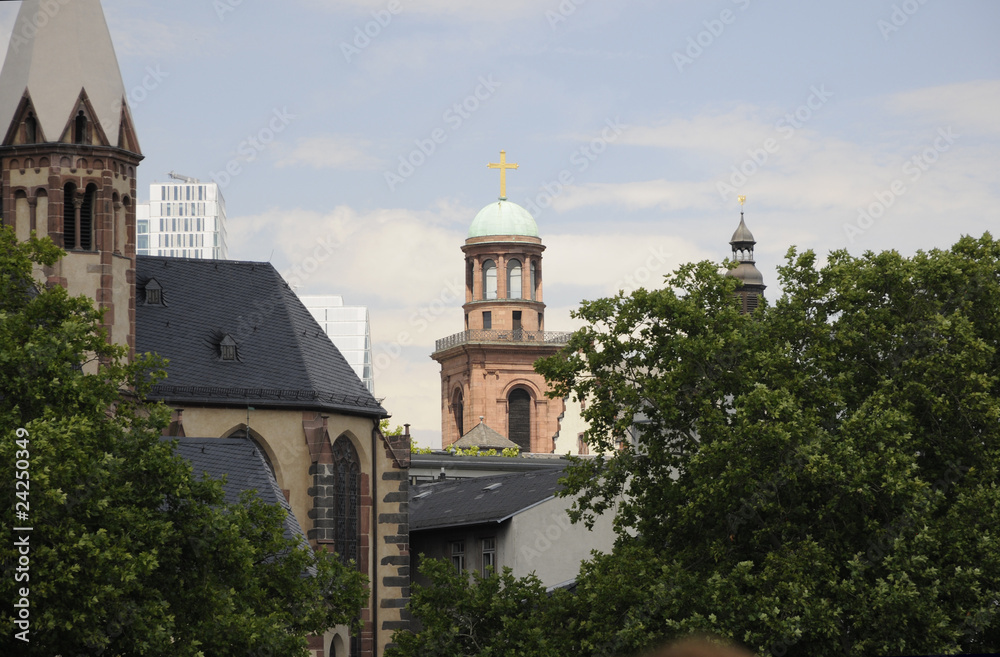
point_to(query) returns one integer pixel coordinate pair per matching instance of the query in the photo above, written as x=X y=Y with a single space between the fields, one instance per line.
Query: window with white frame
x=458 y=555
x=489 y=555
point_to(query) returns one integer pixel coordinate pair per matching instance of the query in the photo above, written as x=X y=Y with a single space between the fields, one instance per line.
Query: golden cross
x=743 y=199
x=503 y=166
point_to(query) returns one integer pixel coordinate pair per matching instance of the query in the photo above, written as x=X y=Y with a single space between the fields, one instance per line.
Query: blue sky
x=630 y=120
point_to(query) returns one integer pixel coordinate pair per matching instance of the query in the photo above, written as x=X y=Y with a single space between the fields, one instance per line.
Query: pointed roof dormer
x=66 y=66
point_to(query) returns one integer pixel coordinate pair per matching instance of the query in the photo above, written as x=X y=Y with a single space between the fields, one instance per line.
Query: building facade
x=349 y=327
x=247 y=361
x=183 y=219
x=488 y=369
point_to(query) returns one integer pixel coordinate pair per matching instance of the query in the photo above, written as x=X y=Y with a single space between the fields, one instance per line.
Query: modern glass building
x=350 y=330
x=183 y=219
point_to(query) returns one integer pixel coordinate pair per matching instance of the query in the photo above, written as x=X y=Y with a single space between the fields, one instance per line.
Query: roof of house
x=484 y=437
x=283 y=357
x=480 y=500
x=243 y=466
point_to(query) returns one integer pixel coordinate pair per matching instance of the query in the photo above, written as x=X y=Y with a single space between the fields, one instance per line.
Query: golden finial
x=743 y=200
x=503 y=166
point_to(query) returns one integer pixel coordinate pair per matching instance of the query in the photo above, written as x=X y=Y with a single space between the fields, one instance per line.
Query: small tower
x=488 y=369
x=751 y=281
x=69 y=155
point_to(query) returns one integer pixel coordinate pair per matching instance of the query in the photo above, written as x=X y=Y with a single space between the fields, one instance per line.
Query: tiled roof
x=484 y=437
x=284 y=359
x=239 y=460
x=479 y=500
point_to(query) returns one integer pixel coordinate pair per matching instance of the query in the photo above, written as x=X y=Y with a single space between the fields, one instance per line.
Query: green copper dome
x=503 y=218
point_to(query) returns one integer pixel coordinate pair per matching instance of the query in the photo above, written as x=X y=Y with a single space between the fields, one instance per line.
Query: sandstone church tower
x=69 y=154
x=487 y=371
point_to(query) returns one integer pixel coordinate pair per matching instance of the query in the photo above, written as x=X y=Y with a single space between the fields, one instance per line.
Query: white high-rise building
x=183 y=219
x=349 y=329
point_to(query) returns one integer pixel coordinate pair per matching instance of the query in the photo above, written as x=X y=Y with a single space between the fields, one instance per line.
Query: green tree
x=497 y=615
x=130 y=554
x=819 y=478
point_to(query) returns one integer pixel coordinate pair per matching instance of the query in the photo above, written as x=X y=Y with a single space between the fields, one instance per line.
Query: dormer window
x=80 y=129
x=30 y=129
x=154 y=293
x=227 y=348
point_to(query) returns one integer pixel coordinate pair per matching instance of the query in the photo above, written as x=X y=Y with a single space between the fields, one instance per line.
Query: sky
x=351 y=138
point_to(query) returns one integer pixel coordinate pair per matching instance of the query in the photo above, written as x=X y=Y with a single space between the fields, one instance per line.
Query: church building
x=487 y=370
x=248 y=363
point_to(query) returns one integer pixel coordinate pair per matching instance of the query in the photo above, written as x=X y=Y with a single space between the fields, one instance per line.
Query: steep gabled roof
x=283 y=358
x=243 y=466
x=484 y=437
x=480 y=500
x=70 y=52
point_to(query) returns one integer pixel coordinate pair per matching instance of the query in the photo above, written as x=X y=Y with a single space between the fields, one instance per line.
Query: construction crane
x=187 y=179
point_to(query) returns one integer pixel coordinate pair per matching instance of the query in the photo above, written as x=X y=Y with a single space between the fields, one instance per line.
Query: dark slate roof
x=479 y=500
x=239 y=460
x=284 y=359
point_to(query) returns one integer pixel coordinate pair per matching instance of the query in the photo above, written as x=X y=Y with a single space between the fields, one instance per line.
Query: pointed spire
x=71 y=52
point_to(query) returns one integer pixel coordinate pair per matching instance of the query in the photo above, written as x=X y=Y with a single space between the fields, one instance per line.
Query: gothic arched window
x=489 y=280
x=346 y=500
x=514 y=279
x=519 y=418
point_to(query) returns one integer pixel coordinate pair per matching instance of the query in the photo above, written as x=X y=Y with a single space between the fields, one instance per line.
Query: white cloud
x=331 y=152
x=969 y=107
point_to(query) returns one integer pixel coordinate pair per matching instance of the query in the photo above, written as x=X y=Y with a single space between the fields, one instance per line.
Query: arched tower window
x=489 y=280
x=458 y=409
x=87 y=212
x=514 y=279
x=346 y=500
x=80 y=129
x=69 y=216
x=519 y=418
x=533 y=282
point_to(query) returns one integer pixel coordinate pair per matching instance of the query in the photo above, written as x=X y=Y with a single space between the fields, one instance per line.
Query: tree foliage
x=130 y=554
x=496 y=615
x=818 y=478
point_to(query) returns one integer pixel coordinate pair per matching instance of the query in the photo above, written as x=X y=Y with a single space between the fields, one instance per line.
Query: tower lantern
x=751 y=282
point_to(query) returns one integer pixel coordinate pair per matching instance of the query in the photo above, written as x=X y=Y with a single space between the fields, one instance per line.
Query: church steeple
x=69 y=153
x=751 y=285
x=67 y=66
